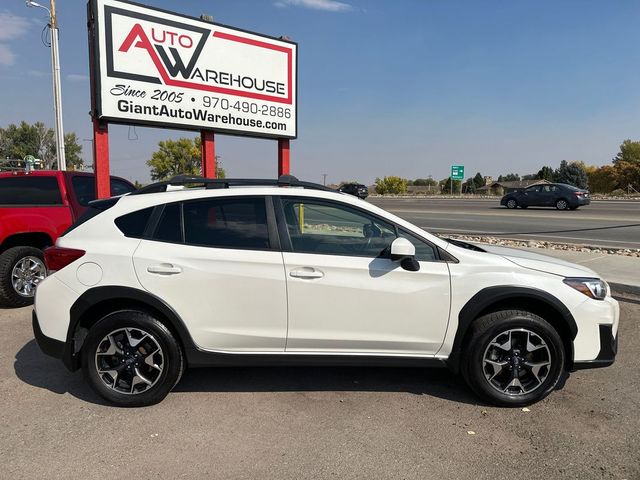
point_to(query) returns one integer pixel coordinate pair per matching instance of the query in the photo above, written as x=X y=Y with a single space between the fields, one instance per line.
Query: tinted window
x=169 y=227
x=226 y=223
x=29 y=190
x=535 y=188
x=85 y=188
x=133 y=224
x=322 y=227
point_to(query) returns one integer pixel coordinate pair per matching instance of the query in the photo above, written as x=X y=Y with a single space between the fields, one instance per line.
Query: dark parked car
x=357 y=189
x=558 y=195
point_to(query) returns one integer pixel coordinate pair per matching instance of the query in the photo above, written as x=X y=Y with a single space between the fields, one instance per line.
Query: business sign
x=457 y=172
x=154 y=67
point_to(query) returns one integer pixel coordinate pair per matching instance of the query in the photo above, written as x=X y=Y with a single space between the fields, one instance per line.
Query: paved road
x=483 y=217
x=298 y=423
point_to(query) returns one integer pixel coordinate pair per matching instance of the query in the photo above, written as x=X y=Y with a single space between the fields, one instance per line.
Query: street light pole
x=57 y=91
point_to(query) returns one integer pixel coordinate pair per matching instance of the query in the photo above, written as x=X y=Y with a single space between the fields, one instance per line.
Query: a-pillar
x=208 y=150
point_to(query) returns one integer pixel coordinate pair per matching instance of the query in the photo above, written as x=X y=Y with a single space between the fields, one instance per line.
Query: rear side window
x=134 y=224
x=169 y=227
x=29 y=190
x=84 y=188
x=238 y=222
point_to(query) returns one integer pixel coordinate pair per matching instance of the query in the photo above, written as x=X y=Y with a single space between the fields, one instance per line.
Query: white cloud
x=6 y=56
x=75 y=77
x=11 y=27
x=327 y=5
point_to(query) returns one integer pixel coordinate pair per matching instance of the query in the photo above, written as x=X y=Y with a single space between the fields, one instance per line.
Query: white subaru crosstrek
x=250 y=272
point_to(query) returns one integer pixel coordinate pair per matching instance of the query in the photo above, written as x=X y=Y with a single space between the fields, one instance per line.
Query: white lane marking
x=518 y=215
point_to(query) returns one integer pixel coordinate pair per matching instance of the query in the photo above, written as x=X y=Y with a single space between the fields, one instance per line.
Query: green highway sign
x=457 y=172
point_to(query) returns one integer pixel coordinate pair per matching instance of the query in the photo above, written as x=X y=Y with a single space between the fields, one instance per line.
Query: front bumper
x=608 y=350
x=50 y=346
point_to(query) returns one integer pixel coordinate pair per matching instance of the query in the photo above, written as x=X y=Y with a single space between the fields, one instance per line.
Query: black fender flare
x=95 y=296
x=487 y=297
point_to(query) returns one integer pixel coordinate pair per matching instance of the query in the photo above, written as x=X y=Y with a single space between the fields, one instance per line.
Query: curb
x=622 y=288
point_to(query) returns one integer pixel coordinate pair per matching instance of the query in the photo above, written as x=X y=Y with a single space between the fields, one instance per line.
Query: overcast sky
x=385 y=87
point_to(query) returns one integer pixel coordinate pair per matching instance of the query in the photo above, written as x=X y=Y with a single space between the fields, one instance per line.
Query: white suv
x=250 y=272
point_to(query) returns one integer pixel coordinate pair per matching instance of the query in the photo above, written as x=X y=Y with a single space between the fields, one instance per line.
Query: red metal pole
x=284 y=158
x=101 y=158
x=208 y=152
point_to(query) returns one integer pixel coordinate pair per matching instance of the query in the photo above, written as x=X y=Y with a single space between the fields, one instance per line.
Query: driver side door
x=345 y=295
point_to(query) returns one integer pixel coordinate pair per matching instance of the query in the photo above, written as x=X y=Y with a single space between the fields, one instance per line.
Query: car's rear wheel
x=562 y=204
x=131 y=359
x=513 y=358
x=511 y=203
x=21 y=269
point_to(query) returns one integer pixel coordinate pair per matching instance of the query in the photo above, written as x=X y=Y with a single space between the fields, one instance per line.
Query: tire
x=562 y=204
x=511 y=203
x=524 y=206
x=486 y=374
x=12 y=269
x=159 y=361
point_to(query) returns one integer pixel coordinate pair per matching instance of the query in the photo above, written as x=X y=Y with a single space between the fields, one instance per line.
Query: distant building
x=502 y=188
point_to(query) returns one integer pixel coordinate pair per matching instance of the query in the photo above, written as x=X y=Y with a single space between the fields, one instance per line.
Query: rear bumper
x=608 y=350
x=50 y=346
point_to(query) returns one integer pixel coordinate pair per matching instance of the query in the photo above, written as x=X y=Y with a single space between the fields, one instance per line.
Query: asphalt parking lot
x=314 y=423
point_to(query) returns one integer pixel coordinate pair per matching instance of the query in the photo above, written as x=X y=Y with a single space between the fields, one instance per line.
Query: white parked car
x=250 y=272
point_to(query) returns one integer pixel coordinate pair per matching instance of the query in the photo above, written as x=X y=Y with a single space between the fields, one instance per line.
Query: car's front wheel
x=131 y=359
x=513 y=358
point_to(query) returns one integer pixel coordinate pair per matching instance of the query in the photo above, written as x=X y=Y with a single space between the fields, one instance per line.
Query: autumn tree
x=391 y=185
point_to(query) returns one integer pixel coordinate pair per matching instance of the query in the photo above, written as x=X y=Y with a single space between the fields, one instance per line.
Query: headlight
x=591 y=287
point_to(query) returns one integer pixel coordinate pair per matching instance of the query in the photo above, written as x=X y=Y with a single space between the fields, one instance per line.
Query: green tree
x=18 y=141
x=628 y=174
x=450 y=187
x=425 y=182
x=629 y=152
x=509 y=177
x=469 y=186
x=478 y=180
x=391 y=185
x=545 y=173
x=179 y=157
x=573 y=173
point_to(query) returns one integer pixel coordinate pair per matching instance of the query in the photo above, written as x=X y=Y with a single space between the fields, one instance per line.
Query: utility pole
x=324 y=179
x=55 y=70
x=57 y=91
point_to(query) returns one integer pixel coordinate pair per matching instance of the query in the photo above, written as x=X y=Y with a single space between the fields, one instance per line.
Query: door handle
x=164 y=269
x=306 y=272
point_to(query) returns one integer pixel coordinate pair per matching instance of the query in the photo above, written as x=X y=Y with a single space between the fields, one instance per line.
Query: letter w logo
x=172 y=67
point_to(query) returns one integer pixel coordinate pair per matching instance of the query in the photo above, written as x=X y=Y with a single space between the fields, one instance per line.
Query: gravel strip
x=509 y=242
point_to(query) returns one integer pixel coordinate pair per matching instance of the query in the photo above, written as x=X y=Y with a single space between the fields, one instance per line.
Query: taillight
x=579 y=194
x=57 y=258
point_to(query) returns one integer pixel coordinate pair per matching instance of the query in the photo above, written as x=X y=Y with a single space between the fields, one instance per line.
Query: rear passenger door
x=217 y=263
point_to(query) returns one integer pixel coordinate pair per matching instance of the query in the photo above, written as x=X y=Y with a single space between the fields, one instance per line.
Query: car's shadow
x=35 y=368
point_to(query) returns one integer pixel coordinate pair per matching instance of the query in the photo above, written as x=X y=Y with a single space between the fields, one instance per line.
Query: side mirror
x=403 y=251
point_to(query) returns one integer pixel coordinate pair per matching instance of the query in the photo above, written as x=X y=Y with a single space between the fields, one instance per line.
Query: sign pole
x=283 y=157
x=101 y=158
x=208 y=152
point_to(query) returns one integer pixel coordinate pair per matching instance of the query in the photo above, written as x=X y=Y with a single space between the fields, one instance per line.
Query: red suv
x=35 y=208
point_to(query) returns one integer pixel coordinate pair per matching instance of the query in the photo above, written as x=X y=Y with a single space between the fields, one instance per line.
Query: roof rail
x=282 y=181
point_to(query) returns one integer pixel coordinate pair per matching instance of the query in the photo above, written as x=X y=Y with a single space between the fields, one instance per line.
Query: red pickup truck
x=35 y=208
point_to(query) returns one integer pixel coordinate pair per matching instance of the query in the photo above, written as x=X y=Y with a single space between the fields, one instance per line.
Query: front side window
x=333 y=229
x=29 y=190
x=534 y=189
x=236 y=222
